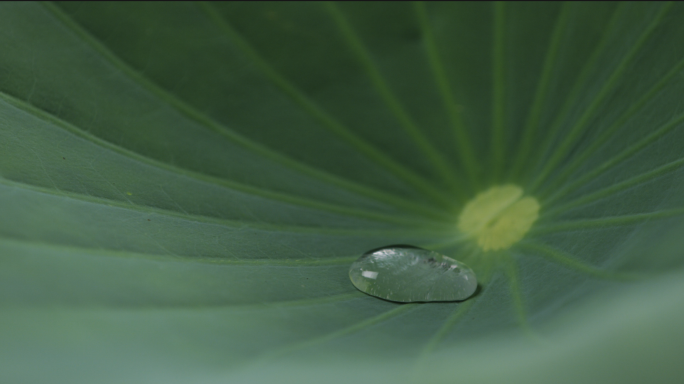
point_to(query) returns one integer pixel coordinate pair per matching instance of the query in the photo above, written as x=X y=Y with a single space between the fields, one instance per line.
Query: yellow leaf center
x=499 y=217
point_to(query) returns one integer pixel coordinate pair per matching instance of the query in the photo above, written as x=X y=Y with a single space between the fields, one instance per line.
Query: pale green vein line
x=498 y=148
x=220 y=182
x=331 y=299
x=308 y=302
x=516 y=294
x=619 y=158
x=313 y=262
x=582 y=157
x=280 y=262
x=323 y=117
x=606 y=222
x=570 y=262
x=206 y=121
x=344 y=331
x=444 y=330
x=175 y=307
x=578 y=85
x=485 y=265
x=122 y=254
x=580 y=127
x=454 y=240
x=621 y=186
x=534 y=115
x=463 y=142
x=235 y=224
x=357 y=46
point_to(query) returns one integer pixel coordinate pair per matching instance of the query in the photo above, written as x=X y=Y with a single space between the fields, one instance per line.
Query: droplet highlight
x=410 y=274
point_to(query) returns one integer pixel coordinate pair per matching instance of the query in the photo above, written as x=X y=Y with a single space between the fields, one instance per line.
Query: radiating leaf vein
x=213 y=125
x=438 y=161
x=576 y=131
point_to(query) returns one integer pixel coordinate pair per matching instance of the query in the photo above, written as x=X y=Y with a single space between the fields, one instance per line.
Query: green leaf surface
x=183 y=187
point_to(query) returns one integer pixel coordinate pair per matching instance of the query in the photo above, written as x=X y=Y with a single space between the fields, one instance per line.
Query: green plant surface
x=183 y=187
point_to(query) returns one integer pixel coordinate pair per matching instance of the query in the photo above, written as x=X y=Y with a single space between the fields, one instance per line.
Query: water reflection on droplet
x=408 y=274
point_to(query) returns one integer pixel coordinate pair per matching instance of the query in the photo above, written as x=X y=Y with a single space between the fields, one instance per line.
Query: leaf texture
x=183 y=187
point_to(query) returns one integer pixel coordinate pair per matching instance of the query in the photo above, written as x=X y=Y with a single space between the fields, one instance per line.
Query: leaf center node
x=498 y=217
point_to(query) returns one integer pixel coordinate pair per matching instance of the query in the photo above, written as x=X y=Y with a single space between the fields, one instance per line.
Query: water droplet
x=407 y=274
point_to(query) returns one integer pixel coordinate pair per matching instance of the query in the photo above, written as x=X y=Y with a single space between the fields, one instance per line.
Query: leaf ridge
x=211 y=180
x=621 y=186
x=451 y=321
x=561 y=258
x=497 y=145
x=534 y=114
x=327 y=121
x=357 y=46
x=99 y=252
x=579 y=127
x=581 y=81
x=463 y=141
x=619 y=158
x=359 y=326
x=211 y=220
x=213 y=125
x=605 y=222
x=581 y=158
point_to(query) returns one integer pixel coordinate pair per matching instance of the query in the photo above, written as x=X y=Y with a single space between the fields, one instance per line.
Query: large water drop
x=407 y=274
